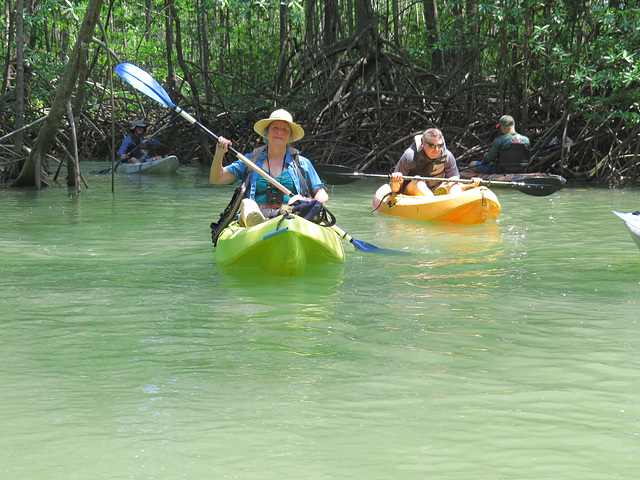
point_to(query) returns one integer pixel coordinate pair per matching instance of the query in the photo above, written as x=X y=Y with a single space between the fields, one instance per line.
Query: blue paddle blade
x=143 y=82
x=359 y=244
x=365 y=246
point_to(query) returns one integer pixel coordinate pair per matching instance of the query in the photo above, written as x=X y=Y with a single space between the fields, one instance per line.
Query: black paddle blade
x=336 y=174
x=540 y=186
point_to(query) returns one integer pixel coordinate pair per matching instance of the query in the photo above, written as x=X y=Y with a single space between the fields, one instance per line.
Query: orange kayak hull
x=474 y=205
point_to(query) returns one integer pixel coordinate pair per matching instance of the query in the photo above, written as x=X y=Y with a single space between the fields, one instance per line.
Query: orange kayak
x=474 y=205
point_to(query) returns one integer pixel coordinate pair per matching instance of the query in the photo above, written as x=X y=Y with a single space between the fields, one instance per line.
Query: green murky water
x=508 y=350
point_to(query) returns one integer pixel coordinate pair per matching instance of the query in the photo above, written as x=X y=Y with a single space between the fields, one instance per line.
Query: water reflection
x=127 y=352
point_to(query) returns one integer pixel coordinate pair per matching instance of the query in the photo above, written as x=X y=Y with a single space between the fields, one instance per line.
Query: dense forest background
x=361 y=76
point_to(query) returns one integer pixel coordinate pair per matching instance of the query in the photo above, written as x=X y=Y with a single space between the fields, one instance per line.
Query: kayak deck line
x=277 y=232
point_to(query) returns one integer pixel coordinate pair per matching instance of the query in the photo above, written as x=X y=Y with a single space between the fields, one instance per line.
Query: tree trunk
x=365 y=25
x=310 y=23
x=18 y=137
x=148 y=7
x=168 y=35
x=206 y=56
x=472 y=27
x=396 y=22
x=526 y=62
x=64 y=44
x=433 y=33
x=10 y=16
x=500 y=62
x=225 y=42
x=284 y=62
x=331 y=22
x=180 y=56
x=59 y=107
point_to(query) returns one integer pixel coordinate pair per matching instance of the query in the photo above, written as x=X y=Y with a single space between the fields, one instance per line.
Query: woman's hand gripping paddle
x=145 y=83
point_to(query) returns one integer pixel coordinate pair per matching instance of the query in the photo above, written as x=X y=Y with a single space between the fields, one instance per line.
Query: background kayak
x=632 y=221
x=164 y=166
x=475 y=205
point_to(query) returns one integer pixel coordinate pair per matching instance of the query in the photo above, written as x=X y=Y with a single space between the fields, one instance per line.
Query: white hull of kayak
x=164 y=166
x=633 y=224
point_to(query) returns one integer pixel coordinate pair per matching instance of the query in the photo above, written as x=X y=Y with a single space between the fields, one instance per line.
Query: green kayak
x=282 y=246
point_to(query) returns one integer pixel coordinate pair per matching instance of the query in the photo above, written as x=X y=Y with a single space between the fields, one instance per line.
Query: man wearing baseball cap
x=507 y=126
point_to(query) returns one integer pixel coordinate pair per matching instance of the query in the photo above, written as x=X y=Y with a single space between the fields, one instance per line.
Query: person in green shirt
x=507 y=126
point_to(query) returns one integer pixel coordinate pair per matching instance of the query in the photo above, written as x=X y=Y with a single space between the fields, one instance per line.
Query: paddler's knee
x=250 y=213
x=418 y=188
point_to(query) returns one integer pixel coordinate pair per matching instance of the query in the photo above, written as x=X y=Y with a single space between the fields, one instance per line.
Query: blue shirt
x=239 y=169
x=128 y=145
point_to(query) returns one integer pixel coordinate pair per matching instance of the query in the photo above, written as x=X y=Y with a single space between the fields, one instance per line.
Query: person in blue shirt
x=138 y=147
x=280 y=161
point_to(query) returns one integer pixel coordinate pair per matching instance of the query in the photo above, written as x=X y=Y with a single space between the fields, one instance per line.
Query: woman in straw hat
x=278 y=159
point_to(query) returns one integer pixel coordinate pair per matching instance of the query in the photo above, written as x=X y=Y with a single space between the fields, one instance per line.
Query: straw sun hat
x=296 y=130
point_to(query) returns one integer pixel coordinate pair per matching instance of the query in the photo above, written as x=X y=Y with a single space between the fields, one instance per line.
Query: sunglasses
x=435 y=145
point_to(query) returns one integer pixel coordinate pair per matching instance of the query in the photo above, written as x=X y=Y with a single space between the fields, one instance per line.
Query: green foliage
x=71 y=9
x=585 y=51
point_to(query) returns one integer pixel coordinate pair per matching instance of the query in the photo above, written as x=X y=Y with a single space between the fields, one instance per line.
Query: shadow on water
x=318 y=283
x=441 y=242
